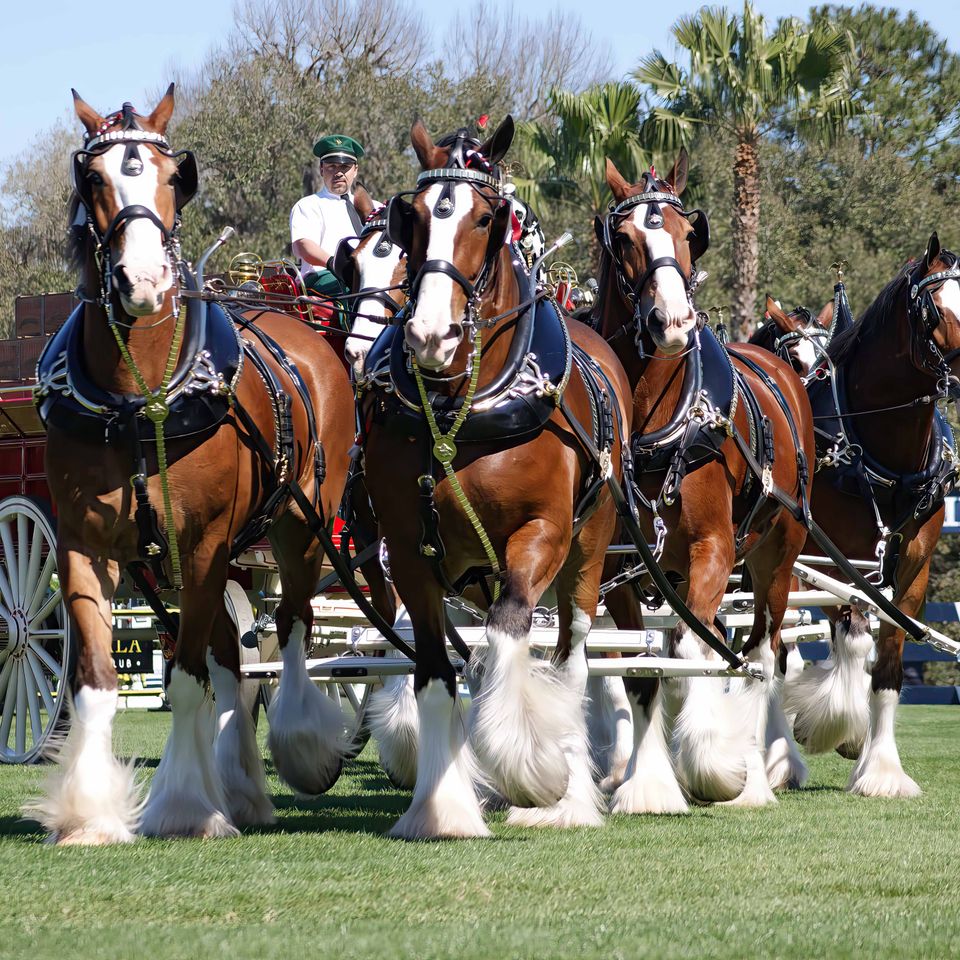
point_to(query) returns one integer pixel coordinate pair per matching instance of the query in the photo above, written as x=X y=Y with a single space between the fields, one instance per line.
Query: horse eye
x=485 y=221
x=96 y=179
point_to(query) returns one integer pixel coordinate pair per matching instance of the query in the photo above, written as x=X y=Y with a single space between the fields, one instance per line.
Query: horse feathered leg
x=581 y=804
x=712 y=734
x=307 y=728
x=395 y=724
x=525 y=711
x=444 y=803
x=90 y=797
x=187 y=798
x=235 y=745
x=829 y=700
x=879 y=771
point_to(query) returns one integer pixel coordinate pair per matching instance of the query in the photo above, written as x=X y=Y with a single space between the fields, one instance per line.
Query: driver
x=320 y=221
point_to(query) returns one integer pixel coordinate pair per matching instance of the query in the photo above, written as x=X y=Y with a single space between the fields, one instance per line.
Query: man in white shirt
x=320 y=221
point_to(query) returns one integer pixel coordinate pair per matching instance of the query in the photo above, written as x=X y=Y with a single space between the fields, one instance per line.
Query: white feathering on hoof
x=786 y=769
x=89 y=798
x=444 y=803
x=712 y=735
x=237 y=754
x=829 y=701
x=878 y=772
x=610 y=729
x=521 y=719
x=582 y=804
x=650 y=785
x=307 y=728
x=186 y=795
x=395 y=725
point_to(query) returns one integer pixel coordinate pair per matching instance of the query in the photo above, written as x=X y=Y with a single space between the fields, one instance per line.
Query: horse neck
x=147 y=340
x=881 y=373
x=655 y=384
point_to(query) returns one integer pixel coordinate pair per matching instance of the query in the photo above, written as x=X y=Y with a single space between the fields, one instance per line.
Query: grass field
x=823 y=874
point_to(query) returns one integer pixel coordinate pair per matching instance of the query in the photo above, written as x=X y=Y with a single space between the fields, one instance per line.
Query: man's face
x=338 y=175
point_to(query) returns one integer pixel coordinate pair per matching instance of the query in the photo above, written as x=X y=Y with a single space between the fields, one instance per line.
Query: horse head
x=129 y=190
x=934 y=307
x=654 y=245
x=376 y=267
x=791 y=334
x=453 y=231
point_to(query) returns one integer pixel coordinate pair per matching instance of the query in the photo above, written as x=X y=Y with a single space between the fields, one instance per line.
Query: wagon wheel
x=241 y=613
x=36 y=653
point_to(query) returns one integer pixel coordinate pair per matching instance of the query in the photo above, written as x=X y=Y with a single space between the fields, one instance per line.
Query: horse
x=373 y=271
x=515 y=487
x=886 y=462
x=224 y=433
x=791 y=335
x=703 y=503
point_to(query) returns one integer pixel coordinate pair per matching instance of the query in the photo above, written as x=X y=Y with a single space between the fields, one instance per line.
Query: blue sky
x=116 y=50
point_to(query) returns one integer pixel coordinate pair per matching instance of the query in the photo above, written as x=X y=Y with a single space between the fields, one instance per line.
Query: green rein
x=157 y=410
x=445 y=451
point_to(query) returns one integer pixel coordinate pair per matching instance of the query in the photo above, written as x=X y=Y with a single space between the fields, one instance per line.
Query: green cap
x=338 y=146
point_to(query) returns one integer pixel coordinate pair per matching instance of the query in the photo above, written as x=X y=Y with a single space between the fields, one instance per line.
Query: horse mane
x=873 y=319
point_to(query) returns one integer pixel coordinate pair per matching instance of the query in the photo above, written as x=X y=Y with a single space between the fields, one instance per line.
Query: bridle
x=925 y=317
x=810 y=330
x=132 y=135
x=635 y=294
x=462 y=159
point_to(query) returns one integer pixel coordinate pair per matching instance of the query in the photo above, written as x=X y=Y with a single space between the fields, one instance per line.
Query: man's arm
x=311 y=251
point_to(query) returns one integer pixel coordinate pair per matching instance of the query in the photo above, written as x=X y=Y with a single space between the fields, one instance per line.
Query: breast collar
x=518 y=400
x=207 y=372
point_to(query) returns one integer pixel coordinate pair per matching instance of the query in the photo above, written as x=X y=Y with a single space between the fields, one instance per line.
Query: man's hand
x=312 y=252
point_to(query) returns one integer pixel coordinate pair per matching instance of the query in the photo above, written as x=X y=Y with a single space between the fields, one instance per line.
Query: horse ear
x=774 y=310
x=825 y=316
x=89 y=117
x=618 y=186
x=343 y=266
x=499 y=231
x=162 y=113
x=933 y=249
x=399 y=229
x=496 y=147
x=430 y=156
x=678 y=176
x=187 y=178
x=362 y=201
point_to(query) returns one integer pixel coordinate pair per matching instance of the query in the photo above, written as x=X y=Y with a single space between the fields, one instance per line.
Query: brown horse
x=717 y=514
x=883 y=472
x=790 y=335
x=520 y=479
x=234 y=448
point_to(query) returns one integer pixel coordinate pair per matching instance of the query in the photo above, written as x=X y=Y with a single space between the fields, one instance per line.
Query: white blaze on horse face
x=805 y=354
x=376 y=272
x=950 y=298
x=428 y=331
x=670 y=294
x=143 y=263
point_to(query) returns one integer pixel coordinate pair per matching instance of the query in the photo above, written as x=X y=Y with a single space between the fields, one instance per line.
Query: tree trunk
x=746 y=230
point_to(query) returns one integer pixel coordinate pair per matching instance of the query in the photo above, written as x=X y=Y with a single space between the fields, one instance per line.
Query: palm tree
x=748 y=83
x=563 y=156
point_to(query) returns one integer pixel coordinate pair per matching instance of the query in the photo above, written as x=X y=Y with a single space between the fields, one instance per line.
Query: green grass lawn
x=823 y=874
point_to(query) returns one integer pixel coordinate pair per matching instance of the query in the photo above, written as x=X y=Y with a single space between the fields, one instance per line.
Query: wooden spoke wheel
x=36 y=653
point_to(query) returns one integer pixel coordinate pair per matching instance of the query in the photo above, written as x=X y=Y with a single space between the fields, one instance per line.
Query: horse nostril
x=122 y=280
x=455 y=332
